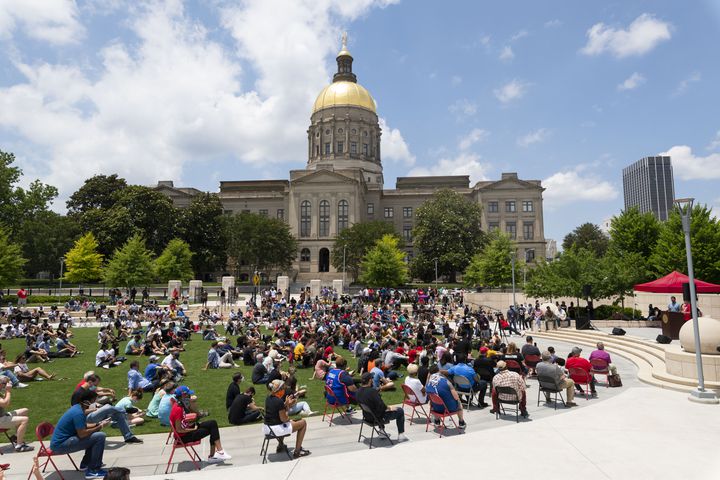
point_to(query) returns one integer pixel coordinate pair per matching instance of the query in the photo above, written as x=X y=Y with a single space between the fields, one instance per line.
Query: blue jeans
x=94 y=447
x=118 y=416
x=9 y=374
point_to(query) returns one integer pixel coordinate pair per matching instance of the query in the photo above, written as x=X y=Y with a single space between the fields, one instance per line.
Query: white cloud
x=393 y=145
x=474 y=136
x=715 y=142
x=171 y=95
x=632 y=82
x=53 y=21
x=686 y=82
x=519 y=35
x=689 y=166
x=641 y=36
x=506 y=54
x=463 y=108
x=464 y=163
x=513 y=90
x=456 y=80
x=577 y=185
x=553 y=23
x=536 y=136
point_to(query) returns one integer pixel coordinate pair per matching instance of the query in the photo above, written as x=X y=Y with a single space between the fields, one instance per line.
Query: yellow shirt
x=299 y=350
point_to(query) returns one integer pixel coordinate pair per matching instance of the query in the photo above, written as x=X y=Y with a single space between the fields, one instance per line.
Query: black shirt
x=232 y=392
x=484 y=367
x=273 y=407
x=258 y=372
x=423 y=373
x=370 y=397
x=238 y=409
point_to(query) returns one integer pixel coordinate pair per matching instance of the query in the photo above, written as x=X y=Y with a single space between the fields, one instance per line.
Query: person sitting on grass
x=153 y=408
x=184 y=422
x=26 y=374
x=134 y=346
x=166 y=403
x=277 y=419
x=243 y=409
x=105 y=357
x=134 y=414
x=380 y=382
x=215 y=360
x=136 y=380
x=370 y=397
x=17 y=419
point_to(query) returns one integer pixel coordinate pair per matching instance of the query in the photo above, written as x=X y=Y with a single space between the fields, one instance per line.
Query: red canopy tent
x=672 y=283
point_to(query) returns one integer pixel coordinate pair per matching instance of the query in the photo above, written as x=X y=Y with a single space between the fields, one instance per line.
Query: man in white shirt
x=173 y=361
x=415 y=385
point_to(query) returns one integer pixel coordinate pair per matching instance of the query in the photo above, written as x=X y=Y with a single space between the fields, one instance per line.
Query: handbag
x=614 y=380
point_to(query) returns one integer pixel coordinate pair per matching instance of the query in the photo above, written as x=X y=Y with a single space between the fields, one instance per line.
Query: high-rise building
x=648 y=184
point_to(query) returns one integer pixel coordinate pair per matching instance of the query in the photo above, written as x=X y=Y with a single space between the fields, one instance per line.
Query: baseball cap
x=412 y=369
x=501 y=365
x=183 y=390
x=153 y=358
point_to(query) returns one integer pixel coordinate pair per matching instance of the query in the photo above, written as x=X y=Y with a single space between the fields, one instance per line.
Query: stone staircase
x=647 y=355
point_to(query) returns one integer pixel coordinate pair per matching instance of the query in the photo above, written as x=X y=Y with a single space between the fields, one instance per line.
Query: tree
x=384 y=264
x=355 y=242
x=634 y=232
x=83 y=263
x=131 y=265
x=587 y=236
x=175 y=262
x=97 y=193
x=260 y=242
x=45 y=239
x=201 y=225
x=11 y=260
x=619 y=272
x=566 y=276
x=669 y=252
x=492 y=267
x=447 y=228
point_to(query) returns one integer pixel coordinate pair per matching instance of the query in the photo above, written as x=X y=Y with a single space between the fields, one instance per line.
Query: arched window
x=305 y=255
x=342 y=215
x=305 y=218
x=324 y=218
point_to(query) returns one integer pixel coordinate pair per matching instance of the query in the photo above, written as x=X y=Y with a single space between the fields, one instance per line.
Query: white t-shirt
x=416 y=386
x=100 y=357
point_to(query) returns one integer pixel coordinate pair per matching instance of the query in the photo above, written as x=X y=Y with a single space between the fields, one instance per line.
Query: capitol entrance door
x=324 y=260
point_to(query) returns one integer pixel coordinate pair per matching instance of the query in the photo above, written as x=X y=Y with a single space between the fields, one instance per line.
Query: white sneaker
x=214 y=460
x=402 y=438
x=221 y=456
x=21 y=385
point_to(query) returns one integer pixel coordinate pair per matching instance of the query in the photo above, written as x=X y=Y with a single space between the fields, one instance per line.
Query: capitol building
x=342 y=184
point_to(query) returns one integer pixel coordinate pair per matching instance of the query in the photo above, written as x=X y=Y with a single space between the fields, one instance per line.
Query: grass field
x=48 y=400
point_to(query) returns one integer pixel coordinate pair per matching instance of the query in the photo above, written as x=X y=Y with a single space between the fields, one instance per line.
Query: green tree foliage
x=447 y=228
x=587 y=236
x=619 y=272
x=492 y=266
x=201 y=225
x=669 y=251
x=356 y=242
x=131 y=265
x=83 y=263
x=11 y=260
x=634 y=232
x=260 y=242
x=97 y=193
x=566 y=276
x=175 y=262
x=384 y=264
x=45 y=239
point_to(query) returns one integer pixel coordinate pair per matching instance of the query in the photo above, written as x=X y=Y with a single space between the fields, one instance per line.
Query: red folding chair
x=43 y=431
x=331 y=402
x=189 y=447
x=600 y=367
x=414 y=404
x=514 y=366
x=436 y=399
x=582 y=378
x=531 y=362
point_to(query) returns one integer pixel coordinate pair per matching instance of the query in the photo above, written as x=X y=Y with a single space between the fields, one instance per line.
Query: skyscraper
x=648 y=184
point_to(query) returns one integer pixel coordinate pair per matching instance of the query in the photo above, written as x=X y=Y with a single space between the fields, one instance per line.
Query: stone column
x=228 y=284
x=338 y=286
x=172 y=285
x=283 y=285
x=194 y=290
x=315 y=286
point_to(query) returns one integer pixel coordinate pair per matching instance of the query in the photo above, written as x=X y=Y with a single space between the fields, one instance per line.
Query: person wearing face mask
x=183 y=420
x=277 y=420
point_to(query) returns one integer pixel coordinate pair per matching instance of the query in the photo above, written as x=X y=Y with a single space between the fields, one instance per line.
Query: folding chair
x=511 y=398
x=189 y=447
x=547 y=386
x=43 y=431
x=531 y=362
x=266 y=444
x=514 y=366
x=464 y=388
x=414 y=404
x=10 y=439
x=377 y=425
x=331 y=402
x=582 y=378
x=436 y=399
x=600 y=367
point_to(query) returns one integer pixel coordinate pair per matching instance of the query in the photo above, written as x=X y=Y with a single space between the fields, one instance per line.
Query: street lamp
x=685 y=206
x=344 y=247
x=62 y=264
x=512 y=263
x=436 y=273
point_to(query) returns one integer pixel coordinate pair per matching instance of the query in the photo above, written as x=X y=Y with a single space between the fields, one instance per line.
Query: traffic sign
x=256 y=279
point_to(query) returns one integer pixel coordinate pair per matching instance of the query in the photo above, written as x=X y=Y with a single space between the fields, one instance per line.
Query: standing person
x=73 y=433
x=17 y=419
x=277 y=420
x=370 y=397
x=673 y=306
x=22 y=295
x=184 y=424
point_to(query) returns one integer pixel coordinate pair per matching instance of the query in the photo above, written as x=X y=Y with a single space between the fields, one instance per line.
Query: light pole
x=436 y=274
x=62 y=264
x=512 y=263
x=344 y=247
x=701 y=395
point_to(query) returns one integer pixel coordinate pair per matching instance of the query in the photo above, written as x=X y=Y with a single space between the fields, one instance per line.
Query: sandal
x=24 y=448
x=301 y=453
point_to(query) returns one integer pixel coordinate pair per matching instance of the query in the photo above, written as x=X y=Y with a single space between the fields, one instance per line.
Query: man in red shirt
x=576 y=361
x=22 y=297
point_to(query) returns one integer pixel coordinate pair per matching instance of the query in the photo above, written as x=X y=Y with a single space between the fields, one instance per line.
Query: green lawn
x=48 y=400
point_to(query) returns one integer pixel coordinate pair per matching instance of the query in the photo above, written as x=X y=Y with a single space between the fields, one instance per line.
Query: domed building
x=342 y=184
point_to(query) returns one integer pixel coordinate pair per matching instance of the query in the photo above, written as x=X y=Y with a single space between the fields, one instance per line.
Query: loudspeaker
x=582 y=323
x=663 y=339
x=587 y=290
x=618 y=331
x=686 y=292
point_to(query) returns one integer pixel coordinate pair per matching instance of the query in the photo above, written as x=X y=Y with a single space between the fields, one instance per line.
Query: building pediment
x=509 y=183
x=323 y=177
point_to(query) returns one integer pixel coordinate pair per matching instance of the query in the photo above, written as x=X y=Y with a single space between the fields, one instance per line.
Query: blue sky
x=567 y=92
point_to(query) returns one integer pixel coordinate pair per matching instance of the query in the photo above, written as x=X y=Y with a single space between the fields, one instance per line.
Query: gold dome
x=344 y=93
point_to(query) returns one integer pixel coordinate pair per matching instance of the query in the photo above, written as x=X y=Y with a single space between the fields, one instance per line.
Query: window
x=305 y=255
x=511 y=229
x=407 y=212
x=529 y=255
x=342 y=215
x=365 y=148
x=527 y=205
x=371 y=209
x=317 y=150
x=407 y=233
x=389 y=212
x=340 y=147
x=493 y=207
x=305 y=218
x=263 y=212
x=324 y=218
x=246 y=210
x=510 y=206
x=327 y=148
x=281 y=214
x=528 y=231
x=493 y=226
x=353 y=147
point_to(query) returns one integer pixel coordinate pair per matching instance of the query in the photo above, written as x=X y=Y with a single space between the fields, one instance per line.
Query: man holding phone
x=73 y=434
